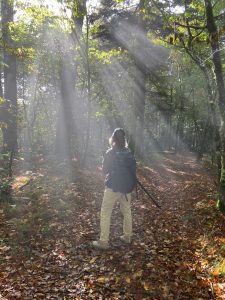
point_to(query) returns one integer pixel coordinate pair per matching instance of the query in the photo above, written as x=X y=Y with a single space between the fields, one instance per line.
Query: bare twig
x=212 y=290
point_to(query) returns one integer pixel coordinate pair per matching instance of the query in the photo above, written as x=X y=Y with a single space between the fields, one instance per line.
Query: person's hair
x=118 y=138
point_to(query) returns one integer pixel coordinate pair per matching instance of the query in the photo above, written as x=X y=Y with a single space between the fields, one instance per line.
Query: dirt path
x=176 y=252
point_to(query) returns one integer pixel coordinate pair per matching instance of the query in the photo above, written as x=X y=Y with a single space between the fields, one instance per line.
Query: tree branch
x=191 y=26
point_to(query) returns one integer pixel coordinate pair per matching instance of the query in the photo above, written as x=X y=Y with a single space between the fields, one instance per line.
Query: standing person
x=119 y=166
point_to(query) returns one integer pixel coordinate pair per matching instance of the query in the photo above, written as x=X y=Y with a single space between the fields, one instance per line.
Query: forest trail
x=178 y=252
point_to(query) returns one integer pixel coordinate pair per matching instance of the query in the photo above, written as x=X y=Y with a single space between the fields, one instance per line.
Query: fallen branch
x=212 y=290
x=28 y=182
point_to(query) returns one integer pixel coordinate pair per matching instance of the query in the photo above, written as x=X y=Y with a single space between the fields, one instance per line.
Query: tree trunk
x=66 y=124
x=213 y=124
x=10 y=85
x=140 y=110
x=139 y=97
x=2 y=114
x=88 y=74
x=66 y=129
x=214 y=40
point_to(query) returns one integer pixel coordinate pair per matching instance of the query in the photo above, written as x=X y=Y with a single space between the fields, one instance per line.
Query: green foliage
x=27 y=27
x=106 y=56
x=220 y=267
x=174 y=94
x=2 y=100
x=78 y=9
x=5 y=179
x=11 y=210
x=5 y=185
x=99 y=115
x=46 y=230
x=222 y=248
x=25 y=232
x=188 y=217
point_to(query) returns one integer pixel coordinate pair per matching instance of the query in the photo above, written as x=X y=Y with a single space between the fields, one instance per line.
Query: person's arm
x=107 y=162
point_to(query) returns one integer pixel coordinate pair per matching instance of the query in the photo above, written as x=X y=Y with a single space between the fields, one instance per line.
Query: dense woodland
x=71 y=71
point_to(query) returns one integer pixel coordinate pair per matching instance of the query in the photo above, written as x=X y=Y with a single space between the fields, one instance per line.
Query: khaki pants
x=109 y=200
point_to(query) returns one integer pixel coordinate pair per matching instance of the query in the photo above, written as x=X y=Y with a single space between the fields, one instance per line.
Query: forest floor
x=178 y=252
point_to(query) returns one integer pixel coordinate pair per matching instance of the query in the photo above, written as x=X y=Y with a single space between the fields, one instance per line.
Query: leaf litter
x=177 y=252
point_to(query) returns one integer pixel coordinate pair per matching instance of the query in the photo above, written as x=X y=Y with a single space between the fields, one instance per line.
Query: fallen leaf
x=150 y=265
x=102 y=279
x=138 y=274
x=93 y=260
x=127 y=279
x=4 y=275
x=215 y=273
x=146 y=286
x=4 y=248
x=40 y=295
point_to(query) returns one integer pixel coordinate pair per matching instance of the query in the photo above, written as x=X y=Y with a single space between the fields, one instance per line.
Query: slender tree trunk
x=1 y=89
x=214 y=40
x=65 y=126
x=140 y=110
x=88 y=73
x=2 y=114
x=170 y=136
x=10 y=85
x=140 y=92
x=2 y=110
x=181 y=118
x=28 y=132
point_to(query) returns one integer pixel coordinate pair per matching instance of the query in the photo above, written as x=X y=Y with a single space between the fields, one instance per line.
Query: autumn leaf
x=93 y=260
x=128 y=280
x=4 y=275
x=165 y=290
x=102 y=279
x=215 y=273
x=150 y=265
x=138 y=274
x=146 y=286
x=4 y=248
x=154 y=263
x=40 y=295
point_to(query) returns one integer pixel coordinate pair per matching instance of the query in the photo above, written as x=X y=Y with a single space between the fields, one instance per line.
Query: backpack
x=124 y=171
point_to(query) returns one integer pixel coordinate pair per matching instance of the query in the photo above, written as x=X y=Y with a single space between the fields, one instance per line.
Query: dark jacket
x=108 y=162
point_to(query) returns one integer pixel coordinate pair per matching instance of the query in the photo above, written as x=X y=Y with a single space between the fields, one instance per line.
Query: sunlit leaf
x=4 y=248
x=138 y=274
x=102 y=279
x=128 y=280
x=93 y=260
x=146 y=286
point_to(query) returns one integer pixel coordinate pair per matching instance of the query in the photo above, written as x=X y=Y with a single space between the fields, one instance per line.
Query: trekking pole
x=149 y=195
